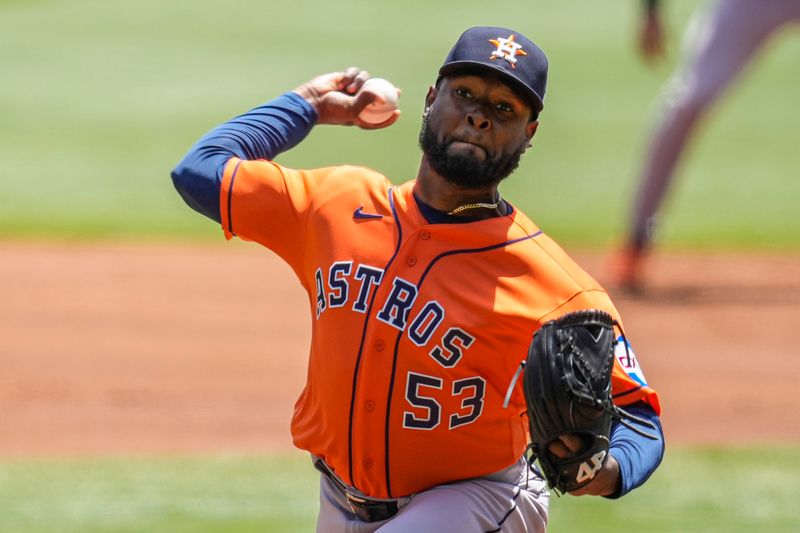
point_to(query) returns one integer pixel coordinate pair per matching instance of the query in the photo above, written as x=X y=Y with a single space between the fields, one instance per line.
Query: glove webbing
x=617 y=413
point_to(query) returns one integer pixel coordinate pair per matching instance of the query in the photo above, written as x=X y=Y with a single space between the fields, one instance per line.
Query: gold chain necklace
x=476 y=205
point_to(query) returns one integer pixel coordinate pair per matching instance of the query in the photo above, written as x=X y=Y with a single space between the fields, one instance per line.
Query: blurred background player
x=721 y=38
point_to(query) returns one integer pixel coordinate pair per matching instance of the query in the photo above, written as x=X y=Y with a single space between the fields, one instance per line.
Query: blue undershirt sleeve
x=261 y=133
x=638 y=456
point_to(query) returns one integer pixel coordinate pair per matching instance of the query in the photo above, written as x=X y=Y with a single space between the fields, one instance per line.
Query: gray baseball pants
x=512 y=500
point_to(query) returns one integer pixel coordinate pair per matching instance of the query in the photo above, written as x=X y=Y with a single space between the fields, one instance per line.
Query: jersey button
x=411 y=261
x=424 y=235
x=370 y=405
x=380 y=345
x=368 y=463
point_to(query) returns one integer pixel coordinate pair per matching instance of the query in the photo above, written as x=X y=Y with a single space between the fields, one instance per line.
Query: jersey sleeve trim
x=639 y=394
x=627 y=392
x=226 y=196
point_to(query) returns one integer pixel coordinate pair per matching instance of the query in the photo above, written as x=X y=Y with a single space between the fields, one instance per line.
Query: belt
x=366 y=509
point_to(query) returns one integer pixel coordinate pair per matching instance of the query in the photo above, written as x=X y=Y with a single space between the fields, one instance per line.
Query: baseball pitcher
x=423 y=382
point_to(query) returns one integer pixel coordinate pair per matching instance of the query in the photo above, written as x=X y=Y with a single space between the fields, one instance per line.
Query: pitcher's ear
x=530 y=129
x=431 y=96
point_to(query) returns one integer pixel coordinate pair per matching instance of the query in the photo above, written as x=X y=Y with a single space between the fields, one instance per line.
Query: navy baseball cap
x=506 y=52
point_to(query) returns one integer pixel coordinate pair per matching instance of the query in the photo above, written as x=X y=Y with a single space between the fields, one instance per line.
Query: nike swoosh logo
x=359 y=213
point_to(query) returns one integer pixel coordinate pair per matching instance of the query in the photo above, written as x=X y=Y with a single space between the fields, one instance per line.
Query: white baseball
x=381 y=109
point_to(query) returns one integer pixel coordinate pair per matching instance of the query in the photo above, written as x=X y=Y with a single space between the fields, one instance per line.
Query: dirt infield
x=172 y=349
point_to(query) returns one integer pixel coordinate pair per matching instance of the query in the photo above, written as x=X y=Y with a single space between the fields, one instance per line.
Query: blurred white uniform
x=721 y=38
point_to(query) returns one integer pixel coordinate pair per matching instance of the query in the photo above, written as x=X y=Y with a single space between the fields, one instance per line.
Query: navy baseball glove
x=567 y=386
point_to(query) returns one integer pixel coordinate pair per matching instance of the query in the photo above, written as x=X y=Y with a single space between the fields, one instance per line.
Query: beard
x=465 y=169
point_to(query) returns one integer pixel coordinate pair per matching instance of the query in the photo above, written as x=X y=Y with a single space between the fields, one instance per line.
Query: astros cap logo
x=507 y=49
x=485 y=47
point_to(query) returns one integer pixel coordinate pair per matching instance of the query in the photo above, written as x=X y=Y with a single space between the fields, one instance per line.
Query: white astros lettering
x=336 y=289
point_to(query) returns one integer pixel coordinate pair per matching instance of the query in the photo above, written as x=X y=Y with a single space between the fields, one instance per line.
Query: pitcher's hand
x=338 y=99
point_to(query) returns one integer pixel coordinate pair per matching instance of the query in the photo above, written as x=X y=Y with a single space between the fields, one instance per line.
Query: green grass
x=696 y=490
x=215 y=494
x=712 y=490
x=100 y=98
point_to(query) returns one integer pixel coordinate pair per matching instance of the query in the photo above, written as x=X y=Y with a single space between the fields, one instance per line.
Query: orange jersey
x=417 y=328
